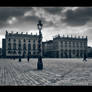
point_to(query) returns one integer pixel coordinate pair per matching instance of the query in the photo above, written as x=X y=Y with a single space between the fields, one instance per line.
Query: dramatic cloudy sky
x=56 y=20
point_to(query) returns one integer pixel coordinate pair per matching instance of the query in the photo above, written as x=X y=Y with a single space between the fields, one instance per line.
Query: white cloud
x=12 y=20
x=65 y=9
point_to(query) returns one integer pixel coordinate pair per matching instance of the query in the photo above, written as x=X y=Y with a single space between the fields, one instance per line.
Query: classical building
x=0 y=52
x=90 y=52
x=47 y=48
x=65 y=47
x=15 y=45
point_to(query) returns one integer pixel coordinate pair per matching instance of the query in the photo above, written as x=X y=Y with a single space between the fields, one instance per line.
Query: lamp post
x=19 y=54
x=19 y=57
x=39 y=63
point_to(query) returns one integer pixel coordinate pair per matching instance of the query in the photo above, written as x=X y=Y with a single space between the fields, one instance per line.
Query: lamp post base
x=40 y=64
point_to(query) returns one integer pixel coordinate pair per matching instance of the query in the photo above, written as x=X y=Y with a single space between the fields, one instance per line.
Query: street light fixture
x=39 y=63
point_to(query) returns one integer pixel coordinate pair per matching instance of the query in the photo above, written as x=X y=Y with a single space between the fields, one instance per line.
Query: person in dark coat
x=84 y=58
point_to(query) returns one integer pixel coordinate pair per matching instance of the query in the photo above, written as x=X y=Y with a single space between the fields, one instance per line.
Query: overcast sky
x=56 y=20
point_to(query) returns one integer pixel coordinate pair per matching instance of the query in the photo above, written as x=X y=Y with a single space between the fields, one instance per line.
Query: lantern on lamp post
x=39 y=63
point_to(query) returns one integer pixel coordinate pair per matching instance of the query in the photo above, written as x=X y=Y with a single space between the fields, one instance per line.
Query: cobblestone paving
x=56 y=72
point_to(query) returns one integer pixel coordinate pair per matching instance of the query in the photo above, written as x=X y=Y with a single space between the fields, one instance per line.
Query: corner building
x=15 y=45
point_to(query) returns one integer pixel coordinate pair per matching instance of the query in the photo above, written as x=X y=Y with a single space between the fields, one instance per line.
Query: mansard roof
x=69 y=38
x=21 y=35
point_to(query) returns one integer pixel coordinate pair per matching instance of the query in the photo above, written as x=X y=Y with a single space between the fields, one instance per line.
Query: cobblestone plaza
x=56 y=72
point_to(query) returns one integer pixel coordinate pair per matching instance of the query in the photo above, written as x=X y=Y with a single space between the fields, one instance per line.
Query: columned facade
x=0 y=52
x=67 y=47
x=21 y=45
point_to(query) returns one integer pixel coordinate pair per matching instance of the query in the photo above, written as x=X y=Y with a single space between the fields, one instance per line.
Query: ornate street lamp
x=39 y=63
x=19 y=54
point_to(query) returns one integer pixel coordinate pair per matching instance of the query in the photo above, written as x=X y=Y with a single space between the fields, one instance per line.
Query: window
x=24 y=53
x=77 y=44
x=77 y=53
x=73 y=44
x=9 y=46
x=9 y=52
x=33 y=41
x=61 y=44
x=29 y=40
x=29 y=53
x=19 y=52
x=65 y=43
x=14 y=46
x=73 y=51
x=24 y=46
x=33 y=53
x=24 y=40
x=69 y=44
x=9 y=39
x=61 y=52
x=81 y=44
x=81 y=53
x=19 y=41
x=84 y=45
x=14 y=52
x=19 y=46
x=14 y=40
x=34 y=46
x=29 y=46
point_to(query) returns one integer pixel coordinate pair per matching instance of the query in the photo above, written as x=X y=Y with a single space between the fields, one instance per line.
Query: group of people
x=27 y=59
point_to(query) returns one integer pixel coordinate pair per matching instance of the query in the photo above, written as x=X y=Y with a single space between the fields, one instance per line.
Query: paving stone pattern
x=56 y=72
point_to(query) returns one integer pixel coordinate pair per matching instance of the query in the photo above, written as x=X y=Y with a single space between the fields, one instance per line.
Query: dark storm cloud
x=78 y=17
x=32 y=20
x=54 y=10
x=6 y=12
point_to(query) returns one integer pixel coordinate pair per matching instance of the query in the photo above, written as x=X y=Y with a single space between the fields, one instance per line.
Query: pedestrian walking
x=85 y=58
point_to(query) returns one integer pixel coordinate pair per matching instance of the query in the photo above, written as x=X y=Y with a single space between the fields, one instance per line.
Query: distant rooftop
x=70 y=37
x=20 y=34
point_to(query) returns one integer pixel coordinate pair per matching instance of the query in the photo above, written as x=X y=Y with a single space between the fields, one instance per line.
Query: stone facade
x=65 y=47
x=15 y=45
x=0 y=52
